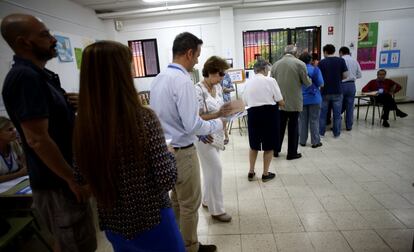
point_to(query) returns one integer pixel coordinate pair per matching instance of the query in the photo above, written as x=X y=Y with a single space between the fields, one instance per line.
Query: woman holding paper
x=12 y=162
x=210 y=98
x=262 y=95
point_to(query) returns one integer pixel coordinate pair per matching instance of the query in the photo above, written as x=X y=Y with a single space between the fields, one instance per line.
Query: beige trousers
x=186 y=196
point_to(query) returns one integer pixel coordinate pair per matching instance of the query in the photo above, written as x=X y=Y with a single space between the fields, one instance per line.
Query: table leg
x=358 y=102
x=373 y=111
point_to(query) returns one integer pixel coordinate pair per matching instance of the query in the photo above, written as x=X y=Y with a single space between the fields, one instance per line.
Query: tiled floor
x=355 y=193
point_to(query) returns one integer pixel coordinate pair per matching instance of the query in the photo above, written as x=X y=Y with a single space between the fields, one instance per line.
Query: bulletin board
x=237 y=75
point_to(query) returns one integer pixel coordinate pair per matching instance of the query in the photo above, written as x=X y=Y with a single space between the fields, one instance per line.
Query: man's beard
x=43 y=54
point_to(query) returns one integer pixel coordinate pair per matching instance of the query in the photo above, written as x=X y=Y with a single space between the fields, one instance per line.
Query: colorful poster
x=367 y=35
x=367 y=58
x=78 y=56
x=64 y=49
x=367 y=45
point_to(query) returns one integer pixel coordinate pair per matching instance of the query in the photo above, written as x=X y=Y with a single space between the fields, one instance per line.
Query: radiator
x=402 y=80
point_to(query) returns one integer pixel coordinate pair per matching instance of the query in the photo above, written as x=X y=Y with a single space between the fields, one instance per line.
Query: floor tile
x=406 y=216
x=392 y=201
x=293 y=242
x=398 y=239
x=228 y=243
x=307 y=205
x=376 y=187
x=255 y=224
x=381 y=219
x=365 y=240
x=317 y=222
x=328 y=242
x=364 y=202
x=336 y=203
x=348 y=220
x=258 y=242
x=220 y=228
x=279 y=206
x=286 y=223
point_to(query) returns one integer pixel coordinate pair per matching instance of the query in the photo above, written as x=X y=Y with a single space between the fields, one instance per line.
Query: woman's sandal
x=226 y=141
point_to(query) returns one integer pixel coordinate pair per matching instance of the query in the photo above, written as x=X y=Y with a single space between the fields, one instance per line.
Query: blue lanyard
x=176 y=67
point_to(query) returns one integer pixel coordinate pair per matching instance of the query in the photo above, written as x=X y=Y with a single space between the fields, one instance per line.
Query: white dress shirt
x=354 y=70
x=173 y=98
x=261 y=90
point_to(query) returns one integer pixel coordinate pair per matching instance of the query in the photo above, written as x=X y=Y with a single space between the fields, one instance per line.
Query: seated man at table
x=385 y=88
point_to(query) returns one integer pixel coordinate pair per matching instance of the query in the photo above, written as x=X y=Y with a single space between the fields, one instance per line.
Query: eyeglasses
x=222 y=74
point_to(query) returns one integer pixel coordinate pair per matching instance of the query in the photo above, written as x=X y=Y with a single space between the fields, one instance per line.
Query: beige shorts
x=70 y=222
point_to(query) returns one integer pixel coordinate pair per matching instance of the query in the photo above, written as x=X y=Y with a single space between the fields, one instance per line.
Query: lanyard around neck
x=9 y=163
x=176 y=67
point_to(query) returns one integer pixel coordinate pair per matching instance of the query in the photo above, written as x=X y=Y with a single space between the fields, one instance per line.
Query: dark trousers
x=291 y=119
x=388 y=102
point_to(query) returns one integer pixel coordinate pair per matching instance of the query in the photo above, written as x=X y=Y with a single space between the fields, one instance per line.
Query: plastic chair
x=380 y=109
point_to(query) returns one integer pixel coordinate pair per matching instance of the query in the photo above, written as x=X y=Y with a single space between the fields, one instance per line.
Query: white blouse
x=261 y=90
x=211 y=104
x=9 y=164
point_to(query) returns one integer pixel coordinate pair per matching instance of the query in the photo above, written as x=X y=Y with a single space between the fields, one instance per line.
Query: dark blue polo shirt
x=29 y=93
x=332 y=69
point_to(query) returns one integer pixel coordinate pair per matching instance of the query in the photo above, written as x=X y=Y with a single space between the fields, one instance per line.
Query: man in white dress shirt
x=173 y=98
x=348 y=86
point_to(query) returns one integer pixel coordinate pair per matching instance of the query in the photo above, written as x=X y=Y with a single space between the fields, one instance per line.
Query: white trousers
x=212 y=177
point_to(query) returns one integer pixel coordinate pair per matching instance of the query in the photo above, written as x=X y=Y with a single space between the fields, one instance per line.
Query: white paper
x=168 y=141
x=5 y=186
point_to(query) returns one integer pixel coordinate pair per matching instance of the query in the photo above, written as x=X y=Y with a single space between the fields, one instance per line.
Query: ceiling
x=109 y=9
x=102 y=6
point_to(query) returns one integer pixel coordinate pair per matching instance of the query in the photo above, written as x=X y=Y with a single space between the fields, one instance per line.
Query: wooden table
x=369 y=97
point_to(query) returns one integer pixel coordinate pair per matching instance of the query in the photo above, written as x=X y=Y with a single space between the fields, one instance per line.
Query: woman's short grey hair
x=260 y=66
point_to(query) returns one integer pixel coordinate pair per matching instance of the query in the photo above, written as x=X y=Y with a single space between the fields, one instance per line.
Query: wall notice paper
x=5 y=186
x=64 y=49
x=236 y=75
x=367 y=45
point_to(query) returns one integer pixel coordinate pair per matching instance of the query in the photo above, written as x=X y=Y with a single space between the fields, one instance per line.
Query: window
x=270 y=44
x=144 y=57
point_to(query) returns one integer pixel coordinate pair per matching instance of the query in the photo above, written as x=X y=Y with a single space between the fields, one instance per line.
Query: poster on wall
x=78 y=56
x=367 y=45
x=64 y=49
x=389 y=59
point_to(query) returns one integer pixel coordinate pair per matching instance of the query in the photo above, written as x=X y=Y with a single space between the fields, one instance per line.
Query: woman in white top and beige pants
x=210 y=98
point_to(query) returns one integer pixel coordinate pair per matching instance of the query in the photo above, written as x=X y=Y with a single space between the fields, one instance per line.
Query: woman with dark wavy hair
x=121 y=151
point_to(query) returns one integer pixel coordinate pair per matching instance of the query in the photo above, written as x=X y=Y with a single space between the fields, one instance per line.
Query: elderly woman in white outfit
x=263 y=97
x=210 y=98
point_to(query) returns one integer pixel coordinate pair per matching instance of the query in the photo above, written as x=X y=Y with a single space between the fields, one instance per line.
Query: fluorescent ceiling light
x=162 y=1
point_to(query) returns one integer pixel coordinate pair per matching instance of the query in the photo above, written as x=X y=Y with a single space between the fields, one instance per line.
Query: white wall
x=205 y=25
x=395 y=19
x=221 y=30
x=344 y=16
x=62 y=18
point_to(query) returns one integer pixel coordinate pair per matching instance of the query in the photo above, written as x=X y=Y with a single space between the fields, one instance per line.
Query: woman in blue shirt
x=309 y=117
